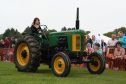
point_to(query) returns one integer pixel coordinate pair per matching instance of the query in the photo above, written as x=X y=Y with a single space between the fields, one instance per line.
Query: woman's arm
x=123 y=51
x=124 y=40
x=115 y=52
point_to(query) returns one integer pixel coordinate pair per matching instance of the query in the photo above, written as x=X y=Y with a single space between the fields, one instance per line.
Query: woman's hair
x=97 y=44
x=35 y=20
x=118 y=43
x=88 y=44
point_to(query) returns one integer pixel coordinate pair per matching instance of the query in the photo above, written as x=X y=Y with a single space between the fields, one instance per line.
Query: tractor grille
x=76 y=42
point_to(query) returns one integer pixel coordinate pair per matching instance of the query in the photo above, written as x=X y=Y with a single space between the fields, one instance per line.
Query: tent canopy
x=100 y=37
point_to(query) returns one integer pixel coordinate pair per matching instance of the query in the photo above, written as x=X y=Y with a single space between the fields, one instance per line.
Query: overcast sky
x=98 y=16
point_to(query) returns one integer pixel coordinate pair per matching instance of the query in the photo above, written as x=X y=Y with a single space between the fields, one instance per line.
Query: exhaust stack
x=77 y=19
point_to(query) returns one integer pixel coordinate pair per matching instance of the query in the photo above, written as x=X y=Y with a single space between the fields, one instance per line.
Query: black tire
x=34 y=54
x=66 y=62
x=98 y=65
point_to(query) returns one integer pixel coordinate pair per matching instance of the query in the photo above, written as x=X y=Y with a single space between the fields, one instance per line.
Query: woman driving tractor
x=36 y=25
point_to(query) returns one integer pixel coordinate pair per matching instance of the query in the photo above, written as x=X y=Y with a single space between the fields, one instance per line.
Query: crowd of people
x=94 y=44
x=7 y=42
x=114 y=51
x=7 y=48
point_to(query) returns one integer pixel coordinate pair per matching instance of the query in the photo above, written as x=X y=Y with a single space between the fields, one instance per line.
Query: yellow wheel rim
x=95 y=66
x=23 y=54
x=59 y=65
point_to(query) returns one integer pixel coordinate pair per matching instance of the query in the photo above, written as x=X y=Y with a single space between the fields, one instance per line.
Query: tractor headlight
x=40 y=36
x=76 y=42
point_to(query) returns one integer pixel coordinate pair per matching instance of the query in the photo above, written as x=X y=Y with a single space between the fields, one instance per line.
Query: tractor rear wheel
x=97 y=66
x=61 y=64
x=27 y=54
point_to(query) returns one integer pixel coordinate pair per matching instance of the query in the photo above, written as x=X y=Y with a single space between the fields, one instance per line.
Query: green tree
x=27 y=30
x=123 y=29
x=87 y=32
x=63 y=29
x=11 y=32
x=53 y=30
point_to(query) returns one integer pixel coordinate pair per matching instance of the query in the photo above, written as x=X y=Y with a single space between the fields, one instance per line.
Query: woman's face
x=89 y=45
x=95 y=47
x=37 y=22
x=120 y=34
x=118 y=46
x=93 y=37
x=88 y=36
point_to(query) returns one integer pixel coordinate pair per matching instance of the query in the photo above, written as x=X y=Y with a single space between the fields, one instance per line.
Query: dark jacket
x=103 y=44
x=89 y=41
x=6 y=43
x=34 y=29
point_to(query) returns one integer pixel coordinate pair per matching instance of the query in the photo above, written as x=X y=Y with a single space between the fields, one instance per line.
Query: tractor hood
x=70 y=35
x=69 y=32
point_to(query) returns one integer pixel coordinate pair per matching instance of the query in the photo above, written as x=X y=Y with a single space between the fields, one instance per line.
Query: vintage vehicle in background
x=58 y=50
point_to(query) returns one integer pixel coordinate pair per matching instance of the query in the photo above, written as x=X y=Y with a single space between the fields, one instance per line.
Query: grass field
x=9 y=75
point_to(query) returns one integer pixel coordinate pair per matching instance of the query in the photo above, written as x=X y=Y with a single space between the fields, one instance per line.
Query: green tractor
x=58 y=50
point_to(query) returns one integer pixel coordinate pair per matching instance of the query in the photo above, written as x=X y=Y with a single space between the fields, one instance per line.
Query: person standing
x=112 y=42
x=1 y=43
x=103 y=45
x=98 y=49
x=119 y=54
x=110 y=50
x=88 y=40
x=6 y=42
x=12 y=42
x=89 y=49
x=95 y=40
x=122 y=39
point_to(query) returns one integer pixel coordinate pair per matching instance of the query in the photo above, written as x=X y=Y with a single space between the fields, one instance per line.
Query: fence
x=6 y=54
x=119 y=63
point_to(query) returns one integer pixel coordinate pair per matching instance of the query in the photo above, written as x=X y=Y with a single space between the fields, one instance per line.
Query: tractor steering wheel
x=43 y=31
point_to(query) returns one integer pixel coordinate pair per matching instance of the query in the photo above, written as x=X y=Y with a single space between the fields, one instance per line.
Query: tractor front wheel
x=97 y=66
x=61 y=64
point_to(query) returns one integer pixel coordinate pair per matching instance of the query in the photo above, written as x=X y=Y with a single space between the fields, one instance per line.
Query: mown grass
x=9 y=75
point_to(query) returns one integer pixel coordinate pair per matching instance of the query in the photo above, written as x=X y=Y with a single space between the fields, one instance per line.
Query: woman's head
x=96 y=46
x=36 y=21
x=113 y=36
x=118 y=45
x=88 y=45
x=6 y=38
x=88 y=36
x=93 y=37
x=120 y=33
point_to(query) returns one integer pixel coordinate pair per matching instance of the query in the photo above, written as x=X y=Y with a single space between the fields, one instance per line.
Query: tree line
x=115 y=31
x=12 y=32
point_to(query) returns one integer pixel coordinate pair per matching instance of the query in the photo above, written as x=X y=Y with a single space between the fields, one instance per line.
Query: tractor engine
x=62 y=43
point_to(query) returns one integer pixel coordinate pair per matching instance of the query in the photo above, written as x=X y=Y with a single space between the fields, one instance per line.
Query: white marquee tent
x=100 y=37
